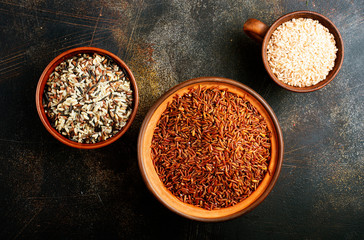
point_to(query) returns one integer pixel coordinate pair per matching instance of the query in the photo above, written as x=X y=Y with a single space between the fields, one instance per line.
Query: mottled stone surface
x=49 y=190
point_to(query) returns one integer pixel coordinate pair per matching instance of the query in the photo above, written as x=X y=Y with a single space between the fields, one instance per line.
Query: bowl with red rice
x=210 y=149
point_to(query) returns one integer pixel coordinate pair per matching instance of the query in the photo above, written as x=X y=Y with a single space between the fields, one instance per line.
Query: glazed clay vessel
x=261 y=33
x=44 y=78
x=156 y=186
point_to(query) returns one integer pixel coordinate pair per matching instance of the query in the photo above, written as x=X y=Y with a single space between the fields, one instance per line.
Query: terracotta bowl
x=44 y=78
x=260 y=32
x=156 y=186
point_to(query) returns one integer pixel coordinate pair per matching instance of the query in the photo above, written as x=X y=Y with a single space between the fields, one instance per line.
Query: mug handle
x=255 y=29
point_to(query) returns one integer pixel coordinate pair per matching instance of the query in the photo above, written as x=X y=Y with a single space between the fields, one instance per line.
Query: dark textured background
x=51 y=191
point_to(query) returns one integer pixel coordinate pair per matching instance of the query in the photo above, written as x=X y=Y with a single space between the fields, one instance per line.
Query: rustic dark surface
x=51 y=191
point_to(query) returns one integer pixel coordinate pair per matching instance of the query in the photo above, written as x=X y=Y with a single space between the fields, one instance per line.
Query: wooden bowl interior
x=44 y=78
x=165 y=196
x=325 y=22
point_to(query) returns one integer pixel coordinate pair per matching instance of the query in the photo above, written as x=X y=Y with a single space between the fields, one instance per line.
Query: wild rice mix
x=88 y=98
x=211 y=148
x=301 y=52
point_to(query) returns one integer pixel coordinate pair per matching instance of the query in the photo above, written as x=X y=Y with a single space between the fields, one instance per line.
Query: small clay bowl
x=261 y=33
x=44 y=78
x=156 y=186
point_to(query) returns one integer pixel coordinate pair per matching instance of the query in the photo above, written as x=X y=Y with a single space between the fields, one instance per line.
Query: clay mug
x=261 y=33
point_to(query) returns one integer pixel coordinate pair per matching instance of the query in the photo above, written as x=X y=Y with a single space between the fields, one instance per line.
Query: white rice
x=301 y=52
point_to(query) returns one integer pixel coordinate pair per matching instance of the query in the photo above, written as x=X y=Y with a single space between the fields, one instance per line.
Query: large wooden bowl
x=44 y=78
x=261 y=33
x=156 y=186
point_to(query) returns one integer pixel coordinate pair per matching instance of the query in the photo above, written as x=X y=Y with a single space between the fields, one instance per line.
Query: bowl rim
x=215 y=80
x=332 y=29
x=40 y=90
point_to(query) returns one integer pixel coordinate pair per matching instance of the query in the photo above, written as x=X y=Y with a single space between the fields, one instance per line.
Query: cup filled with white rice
x=302 y=51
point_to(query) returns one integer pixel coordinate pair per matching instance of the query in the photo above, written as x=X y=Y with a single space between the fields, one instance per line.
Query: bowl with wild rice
x=210 y=149
x=302 y=51
x=87 y=98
